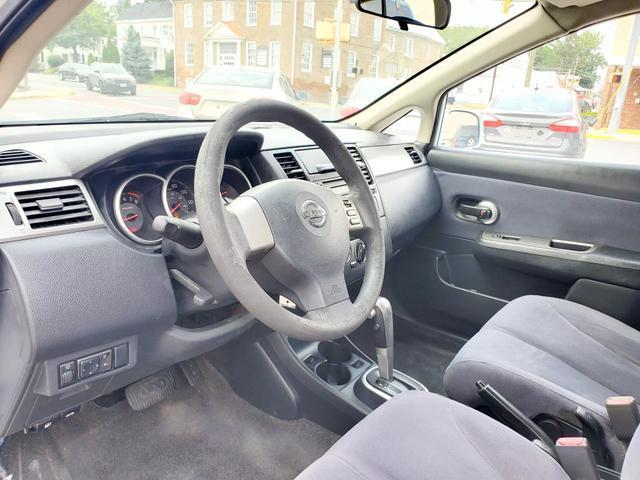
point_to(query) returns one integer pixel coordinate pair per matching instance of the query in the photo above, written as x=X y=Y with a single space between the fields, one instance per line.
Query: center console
x=351 y=373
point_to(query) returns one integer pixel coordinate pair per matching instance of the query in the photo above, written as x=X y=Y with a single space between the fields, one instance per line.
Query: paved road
x=49 y=98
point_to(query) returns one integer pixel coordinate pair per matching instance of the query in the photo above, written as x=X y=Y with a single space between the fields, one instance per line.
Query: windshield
x=178 y=52
x=533 y=101
x=235 y=78
x=111 y=68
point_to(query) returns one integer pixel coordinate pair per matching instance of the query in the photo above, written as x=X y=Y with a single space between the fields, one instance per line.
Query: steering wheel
x=296 y=232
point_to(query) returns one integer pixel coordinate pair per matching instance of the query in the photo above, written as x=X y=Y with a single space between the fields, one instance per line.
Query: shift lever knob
x=382 y=316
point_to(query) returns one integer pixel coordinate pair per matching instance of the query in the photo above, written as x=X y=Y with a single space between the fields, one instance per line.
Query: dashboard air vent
x=290 y=165
x=415 y=156
x=17 y=157
x=53 y=207
x=357 y=156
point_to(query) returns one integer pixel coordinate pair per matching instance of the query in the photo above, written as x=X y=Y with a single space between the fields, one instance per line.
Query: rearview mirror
x=425 y=13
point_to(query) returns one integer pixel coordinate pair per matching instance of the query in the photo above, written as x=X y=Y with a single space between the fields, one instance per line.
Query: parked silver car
x=535 y=120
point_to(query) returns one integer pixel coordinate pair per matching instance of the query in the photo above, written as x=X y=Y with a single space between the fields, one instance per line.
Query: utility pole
x=293 y=41
x=614 y=121
x=335 y=58
x=532 y=59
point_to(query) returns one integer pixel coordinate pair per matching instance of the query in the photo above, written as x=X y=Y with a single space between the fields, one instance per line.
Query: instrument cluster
x=142 y=197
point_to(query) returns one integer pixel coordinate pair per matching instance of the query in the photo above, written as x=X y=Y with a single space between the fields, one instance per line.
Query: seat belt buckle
x=577 y=459
x=624 y=416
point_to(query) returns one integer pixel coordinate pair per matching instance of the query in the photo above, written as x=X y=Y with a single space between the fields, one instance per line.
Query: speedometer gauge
x=178 y=197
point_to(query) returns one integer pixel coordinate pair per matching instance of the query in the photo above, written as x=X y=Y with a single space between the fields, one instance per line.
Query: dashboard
x=84 y=275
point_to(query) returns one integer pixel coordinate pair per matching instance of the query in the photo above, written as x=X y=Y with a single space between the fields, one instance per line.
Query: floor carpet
x=206 y=432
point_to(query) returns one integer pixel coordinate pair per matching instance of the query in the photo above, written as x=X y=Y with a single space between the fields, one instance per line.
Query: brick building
x=282 y=34
x=630 y=116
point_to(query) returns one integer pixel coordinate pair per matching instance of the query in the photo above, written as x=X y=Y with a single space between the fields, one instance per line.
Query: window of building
x=188 y=15
x=326 y=59
x=208 y=14
x=309 y=13
x=392 y=42
x=262 y=56
x=276 y=12
x=306 y=57
x=227 y=10
x=188 y=54
x=377 y=29
x=251 y=54
x=252 y=13
x=408 y=47
x=351 y=64
x=208 y=53
x=375 y=60
x=274 y=54
x=354 y=24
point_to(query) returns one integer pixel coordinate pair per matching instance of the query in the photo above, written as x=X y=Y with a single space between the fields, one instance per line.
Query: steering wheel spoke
x=249 y=227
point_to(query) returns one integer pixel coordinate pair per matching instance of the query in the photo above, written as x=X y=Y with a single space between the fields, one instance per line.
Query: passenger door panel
x=468 y=272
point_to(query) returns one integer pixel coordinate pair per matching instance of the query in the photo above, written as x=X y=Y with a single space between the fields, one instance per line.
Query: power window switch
x=121 y=356
x=67 y=373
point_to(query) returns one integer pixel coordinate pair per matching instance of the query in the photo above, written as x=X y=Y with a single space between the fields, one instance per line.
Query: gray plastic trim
x=9 y=231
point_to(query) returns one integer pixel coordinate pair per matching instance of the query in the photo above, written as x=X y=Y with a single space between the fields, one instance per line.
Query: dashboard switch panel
x=92 y=365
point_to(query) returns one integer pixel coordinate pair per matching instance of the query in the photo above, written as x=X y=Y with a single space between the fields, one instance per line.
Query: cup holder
x=333 y=368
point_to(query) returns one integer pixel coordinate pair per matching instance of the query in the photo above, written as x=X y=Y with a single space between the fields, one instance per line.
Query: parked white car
x=218 y=88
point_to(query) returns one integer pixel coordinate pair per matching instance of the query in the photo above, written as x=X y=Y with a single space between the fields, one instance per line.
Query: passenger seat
x=548 y=356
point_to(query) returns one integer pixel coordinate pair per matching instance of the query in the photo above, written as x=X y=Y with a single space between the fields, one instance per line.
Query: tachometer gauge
x=137 y=202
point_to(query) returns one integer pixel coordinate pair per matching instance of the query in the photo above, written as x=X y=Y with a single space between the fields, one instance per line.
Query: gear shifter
x=382 y=316
x=381 y=382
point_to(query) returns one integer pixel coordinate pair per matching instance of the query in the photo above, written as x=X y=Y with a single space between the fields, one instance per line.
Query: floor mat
x=421 y=351
x=207 y=432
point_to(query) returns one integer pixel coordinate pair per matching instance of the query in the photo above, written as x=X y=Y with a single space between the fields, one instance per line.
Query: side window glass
x=575 y=97
x=407 y=127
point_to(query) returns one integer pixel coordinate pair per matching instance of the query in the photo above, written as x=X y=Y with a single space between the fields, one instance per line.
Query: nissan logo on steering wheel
x=314 y=214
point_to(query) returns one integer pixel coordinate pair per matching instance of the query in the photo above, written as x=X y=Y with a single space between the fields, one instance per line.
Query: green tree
x=86 y=30
x=577 y=54
x=55 y=60
x=134 y=59
x=110 y=53
x=90 y=58
x=168 y=63
x=458 y=36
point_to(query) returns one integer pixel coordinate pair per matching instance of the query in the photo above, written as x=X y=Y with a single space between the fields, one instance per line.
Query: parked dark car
x=74 y=71
x=110 y=78
x=535 y=120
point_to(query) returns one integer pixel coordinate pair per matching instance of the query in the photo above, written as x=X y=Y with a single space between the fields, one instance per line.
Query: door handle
x=483 y=211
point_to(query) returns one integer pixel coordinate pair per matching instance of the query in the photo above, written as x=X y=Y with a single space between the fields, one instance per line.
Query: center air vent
x=357 y=156
x=17 y=157
x=53 y=207
x=415 y=156
x=290 y=165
